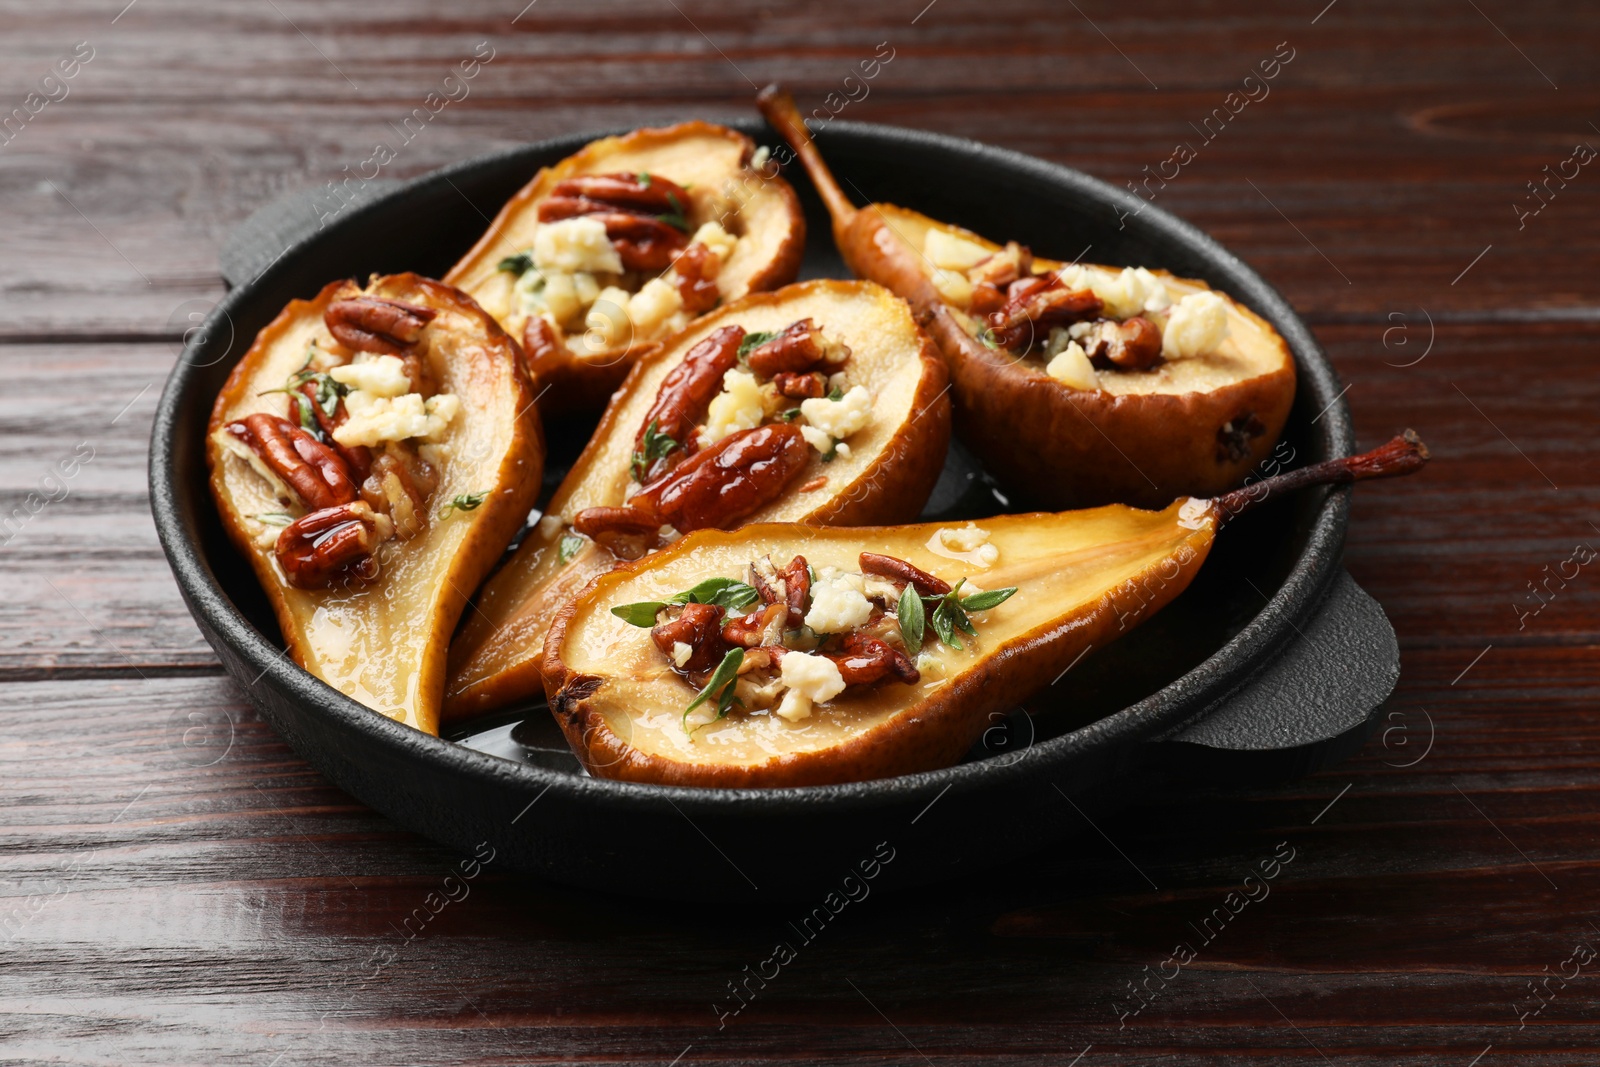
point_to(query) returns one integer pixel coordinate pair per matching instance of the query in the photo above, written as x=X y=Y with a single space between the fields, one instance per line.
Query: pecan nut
x=1012 y=262
x=318 y=546
x=1133 y=344
x=863 y=660
x=688 y=389
x=750 y=631
x=893 y=567
x=800 y=386
x=797 y=590
x=640 y=194
x=700 y=627
x=373 y=324
x=1034 y=305
x=722 y=484
x=399 y=485
x=800 y=347
x=634 y=210
x=697 y=268
x=313 y=471
x=627 y=532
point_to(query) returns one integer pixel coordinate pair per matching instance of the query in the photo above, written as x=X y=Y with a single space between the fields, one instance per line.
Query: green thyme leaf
x=308 y=419
x=721 y=686
x=729 y=593
x=656 y=445
x=943 y=626
x=571 y=545
x=464 y=502
x=519 y=264
x=986 y=600
x=328 y=391
x=959 y=617
x=789 y=415
x=831 y=454
x=753 y=341
x=274 y=518
x=676 y=218
x=912 y=620
x=836 y=394
x=642 y=614
x=643 y=179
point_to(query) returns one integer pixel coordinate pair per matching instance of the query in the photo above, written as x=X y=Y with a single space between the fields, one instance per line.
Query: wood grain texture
x=177 y=887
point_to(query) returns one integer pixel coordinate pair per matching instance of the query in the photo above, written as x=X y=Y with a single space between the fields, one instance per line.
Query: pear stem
x=1402 y=455
x=779 y=108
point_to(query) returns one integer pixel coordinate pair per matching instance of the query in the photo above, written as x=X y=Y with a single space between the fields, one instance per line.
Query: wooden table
x=180 y=888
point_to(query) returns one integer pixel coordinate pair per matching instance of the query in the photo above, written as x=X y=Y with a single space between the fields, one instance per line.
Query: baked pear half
x=821 y=403
x=783 y=655
x=372 y=455
x=624 y=243
x=1075 y=384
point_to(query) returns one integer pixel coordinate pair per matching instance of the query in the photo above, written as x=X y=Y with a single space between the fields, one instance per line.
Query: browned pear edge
x=893 y=488
x=933 y=732
x=1050 y=445
x=496 y=521
x=576 y=384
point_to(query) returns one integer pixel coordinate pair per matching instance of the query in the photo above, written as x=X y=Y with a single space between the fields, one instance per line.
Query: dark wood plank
x=1365 y=182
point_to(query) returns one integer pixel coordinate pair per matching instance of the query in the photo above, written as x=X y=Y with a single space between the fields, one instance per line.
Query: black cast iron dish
x=1272 y=663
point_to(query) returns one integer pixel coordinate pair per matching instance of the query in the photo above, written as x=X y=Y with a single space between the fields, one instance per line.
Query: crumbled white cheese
x=839 y=418
x=969 y=543
x=953 y=286
x=737 y=407
x=841 y=450
x=1197 y=326
x=374 y=420
x=577 y=244
x=656 y=302
x=1079 y=330
x=810 y=679
x=607 y=323
x=1133 y=292
x=681 y=651
x=818 y=440
x=1071 y=367
x=713 y=236
x=552 y=294
x=838 y=380
x=839 y=602
x=1074 y=277
x=947 y=251
x=375 y=376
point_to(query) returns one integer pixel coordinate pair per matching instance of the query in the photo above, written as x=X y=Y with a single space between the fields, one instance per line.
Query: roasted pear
x=1075 y=384
x=782 y=655
x=625 y=242
x=372 y=455
x=821 y=403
